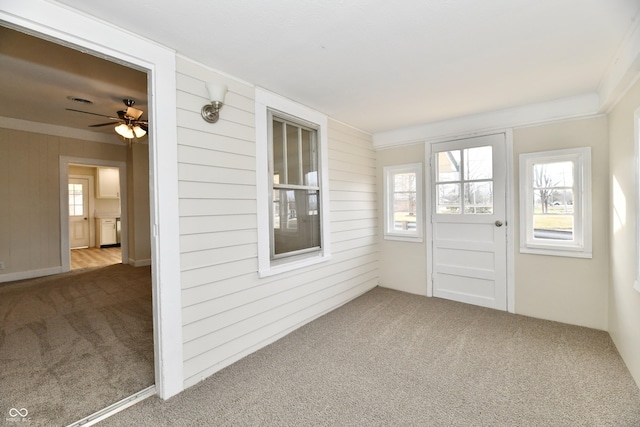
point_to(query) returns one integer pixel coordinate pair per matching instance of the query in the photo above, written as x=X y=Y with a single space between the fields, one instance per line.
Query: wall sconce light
x=217 y=91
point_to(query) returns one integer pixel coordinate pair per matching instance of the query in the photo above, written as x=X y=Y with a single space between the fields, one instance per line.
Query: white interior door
x=468 y=221
x=78 y=213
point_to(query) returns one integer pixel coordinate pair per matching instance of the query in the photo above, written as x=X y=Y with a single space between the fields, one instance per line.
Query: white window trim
x=265 y=101
x=582 y=245
x=388 y=231
x=636 y=122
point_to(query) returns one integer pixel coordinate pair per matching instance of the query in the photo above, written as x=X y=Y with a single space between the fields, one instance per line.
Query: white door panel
x=468 y=215
x=78 y=213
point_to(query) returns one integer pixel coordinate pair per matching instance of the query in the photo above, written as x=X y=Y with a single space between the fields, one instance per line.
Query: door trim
x=64 y=25
x=509 y=207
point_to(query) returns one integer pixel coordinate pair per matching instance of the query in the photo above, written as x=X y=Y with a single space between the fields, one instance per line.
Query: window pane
x=448 y=198
x=404 y=211
x=448 y=165
x=293 y=159
x=309 y=158
x=278 y=154
x=478 y=197
x=298 y=226
x=553 y=227
x=404 y=182
x=550 y=175
x=478 y=163
x=553 y=214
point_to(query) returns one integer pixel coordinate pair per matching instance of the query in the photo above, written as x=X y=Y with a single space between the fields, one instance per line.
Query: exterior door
x=78 y=213
x=468 y=221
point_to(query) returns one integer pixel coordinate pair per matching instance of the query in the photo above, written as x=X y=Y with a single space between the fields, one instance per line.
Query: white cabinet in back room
x=108 y=183
x=106 y=232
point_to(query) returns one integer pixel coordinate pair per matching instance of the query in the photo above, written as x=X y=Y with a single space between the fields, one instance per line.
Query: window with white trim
x=403 y=202
x=295 y=189
x=292 y=178
x=555 y=203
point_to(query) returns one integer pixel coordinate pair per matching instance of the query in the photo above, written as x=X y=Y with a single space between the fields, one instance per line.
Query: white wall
x=563 y=289
x=228 y=312
x=138 y=205
x=568 y=290
x=403 y=264
x=624 y=301
x=30 y=191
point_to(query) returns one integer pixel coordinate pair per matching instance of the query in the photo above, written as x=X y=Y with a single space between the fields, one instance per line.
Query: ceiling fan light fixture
x=134 y=113
x=139 y=132
x=125 y=131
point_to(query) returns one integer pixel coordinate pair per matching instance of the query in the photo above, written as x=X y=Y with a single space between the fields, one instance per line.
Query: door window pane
x=470 y=169
x=448 y=166
x=478 y=163
x=76 y=200
x=478 y=197
x=448 y=198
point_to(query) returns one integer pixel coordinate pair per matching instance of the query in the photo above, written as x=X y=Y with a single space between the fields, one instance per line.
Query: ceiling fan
x=128 y=122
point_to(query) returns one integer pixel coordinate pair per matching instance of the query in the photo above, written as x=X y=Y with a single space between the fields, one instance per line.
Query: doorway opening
x=75 y=341
x=95 y=226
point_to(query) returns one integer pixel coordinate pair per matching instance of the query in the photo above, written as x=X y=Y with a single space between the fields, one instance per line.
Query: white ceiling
x=37 y=77
x=381 y=65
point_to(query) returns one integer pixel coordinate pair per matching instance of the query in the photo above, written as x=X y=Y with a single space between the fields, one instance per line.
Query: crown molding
x=580 y=106
x=63 y=131
x=623 y=71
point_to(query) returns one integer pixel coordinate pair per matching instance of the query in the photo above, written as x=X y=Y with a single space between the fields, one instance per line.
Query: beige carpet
x=394 y=359
x=75 y=343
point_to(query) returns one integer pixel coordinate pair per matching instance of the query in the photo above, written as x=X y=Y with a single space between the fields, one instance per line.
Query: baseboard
x=22 y=275
x=139 y=262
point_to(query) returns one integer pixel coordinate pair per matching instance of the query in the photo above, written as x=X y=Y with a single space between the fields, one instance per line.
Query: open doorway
x=95 y=227
x=74 y=341
x=67 y=26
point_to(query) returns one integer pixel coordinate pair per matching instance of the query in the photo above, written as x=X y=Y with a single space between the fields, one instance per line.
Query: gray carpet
x=75 y=343
x=394 y=359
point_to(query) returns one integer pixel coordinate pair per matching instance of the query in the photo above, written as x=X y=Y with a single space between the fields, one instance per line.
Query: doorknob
x=498 y=223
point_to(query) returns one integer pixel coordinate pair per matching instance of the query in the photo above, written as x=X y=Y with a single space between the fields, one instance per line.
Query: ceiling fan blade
x=144 y=126
x=86 y=112
x=103 y=124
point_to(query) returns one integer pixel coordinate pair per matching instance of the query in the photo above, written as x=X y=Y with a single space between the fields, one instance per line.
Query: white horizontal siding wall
x=228 y=312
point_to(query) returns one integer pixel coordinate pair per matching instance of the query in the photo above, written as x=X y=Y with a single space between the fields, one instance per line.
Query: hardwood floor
x=95 y=257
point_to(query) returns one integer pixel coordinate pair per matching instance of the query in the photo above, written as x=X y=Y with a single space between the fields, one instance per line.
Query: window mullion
x=285 y=155
x=300 y=171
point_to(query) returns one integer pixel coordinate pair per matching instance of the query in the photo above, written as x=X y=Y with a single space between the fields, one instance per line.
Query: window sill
x=556 y=252
x=403 y=238
x=283 y=266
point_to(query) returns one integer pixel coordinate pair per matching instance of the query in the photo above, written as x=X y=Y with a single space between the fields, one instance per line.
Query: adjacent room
x=75 y=300
x=327 y=213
